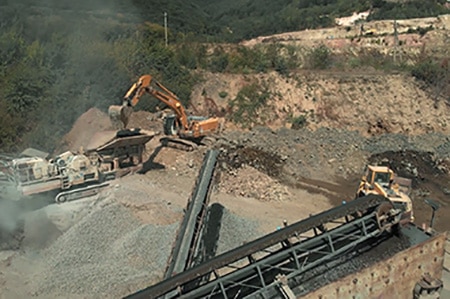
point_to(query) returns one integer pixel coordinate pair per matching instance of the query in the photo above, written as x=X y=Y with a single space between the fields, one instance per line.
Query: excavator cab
x=379 y=174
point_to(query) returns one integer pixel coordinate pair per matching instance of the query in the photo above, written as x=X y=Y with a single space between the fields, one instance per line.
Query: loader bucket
x=119 y=116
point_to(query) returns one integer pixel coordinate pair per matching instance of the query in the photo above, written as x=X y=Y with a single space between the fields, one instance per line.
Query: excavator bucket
x=119 y=116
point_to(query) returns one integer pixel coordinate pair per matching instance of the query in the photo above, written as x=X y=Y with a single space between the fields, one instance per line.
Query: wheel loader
x=182 y=130
x=382 y=180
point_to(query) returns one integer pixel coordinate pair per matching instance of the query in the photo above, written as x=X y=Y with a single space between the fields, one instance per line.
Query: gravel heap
x=110 y=253
x=104 y=254
x=235 y=231
x=248 y=182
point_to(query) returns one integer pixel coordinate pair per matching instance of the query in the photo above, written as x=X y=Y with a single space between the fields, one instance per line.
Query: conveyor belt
x=190 y=228
x=366 y=205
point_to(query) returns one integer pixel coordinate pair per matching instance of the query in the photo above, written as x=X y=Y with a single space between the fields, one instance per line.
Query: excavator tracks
x=178 y=143
x=74 y=194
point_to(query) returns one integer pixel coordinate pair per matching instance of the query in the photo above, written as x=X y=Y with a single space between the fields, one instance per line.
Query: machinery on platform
x=72 y=175
x=382 y=180
x=183 y=130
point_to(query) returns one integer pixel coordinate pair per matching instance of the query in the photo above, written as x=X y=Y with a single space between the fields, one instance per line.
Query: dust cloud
x=10 y=214
x=82 y=44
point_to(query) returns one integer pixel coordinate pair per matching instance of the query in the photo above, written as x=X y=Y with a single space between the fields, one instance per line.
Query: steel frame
x=291 y=260
x=274 y=252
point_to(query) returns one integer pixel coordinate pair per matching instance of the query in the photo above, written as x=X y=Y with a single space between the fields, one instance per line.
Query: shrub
x=420 y=30
x=354 y=62
x=319 y=58
x=219 y=63
x=299 y=122
x=248 y=103
x=428 y=71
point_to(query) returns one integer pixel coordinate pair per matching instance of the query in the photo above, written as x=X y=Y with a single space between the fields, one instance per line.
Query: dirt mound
x=146 y=120
x=94 y=121
x=265 y=161
x=84 y=129
x=345 y=100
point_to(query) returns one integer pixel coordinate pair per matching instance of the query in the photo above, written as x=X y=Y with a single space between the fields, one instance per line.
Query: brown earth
x=371 y=103
x=84 y=129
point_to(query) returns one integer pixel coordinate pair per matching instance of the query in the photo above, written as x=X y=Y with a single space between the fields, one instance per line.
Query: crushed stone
x=104 y=253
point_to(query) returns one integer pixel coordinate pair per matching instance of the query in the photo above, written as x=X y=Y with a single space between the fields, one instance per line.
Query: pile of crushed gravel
x=246 y=181
x=235 y=231
x=109 y=252
x=104 y=254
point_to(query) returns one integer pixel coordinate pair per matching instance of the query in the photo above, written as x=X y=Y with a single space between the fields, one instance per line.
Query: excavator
x=182 y=131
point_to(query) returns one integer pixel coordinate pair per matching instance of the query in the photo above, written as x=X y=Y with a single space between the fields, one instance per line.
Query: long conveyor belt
x=190 y=228
x=248 y=269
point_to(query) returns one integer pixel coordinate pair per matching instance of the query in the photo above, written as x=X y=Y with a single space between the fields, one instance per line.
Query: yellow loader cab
x=381 y=180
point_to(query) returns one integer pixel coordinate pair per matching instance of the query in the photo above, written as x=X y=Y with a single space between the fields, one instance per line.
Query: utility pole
x=165 y=27
x=395 y=40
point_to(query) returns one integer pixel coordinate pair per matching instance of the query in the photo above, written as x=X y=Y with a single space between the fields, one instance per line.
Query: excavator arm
x=121 y=114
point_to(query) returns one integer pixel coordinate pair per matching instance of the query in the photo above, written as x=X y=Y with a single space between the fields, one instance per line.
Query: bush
x=219 y=63
x=248 y=103
x=354 y=62
x=319 y=58
x=373 y=58
x=428 y=71
x=223 y=94
x=299 y=122
x=420 y=30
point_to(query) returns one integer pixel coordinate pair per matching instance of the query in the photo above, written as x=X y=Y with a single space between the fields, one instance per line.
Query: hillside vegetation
x=59 y=58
